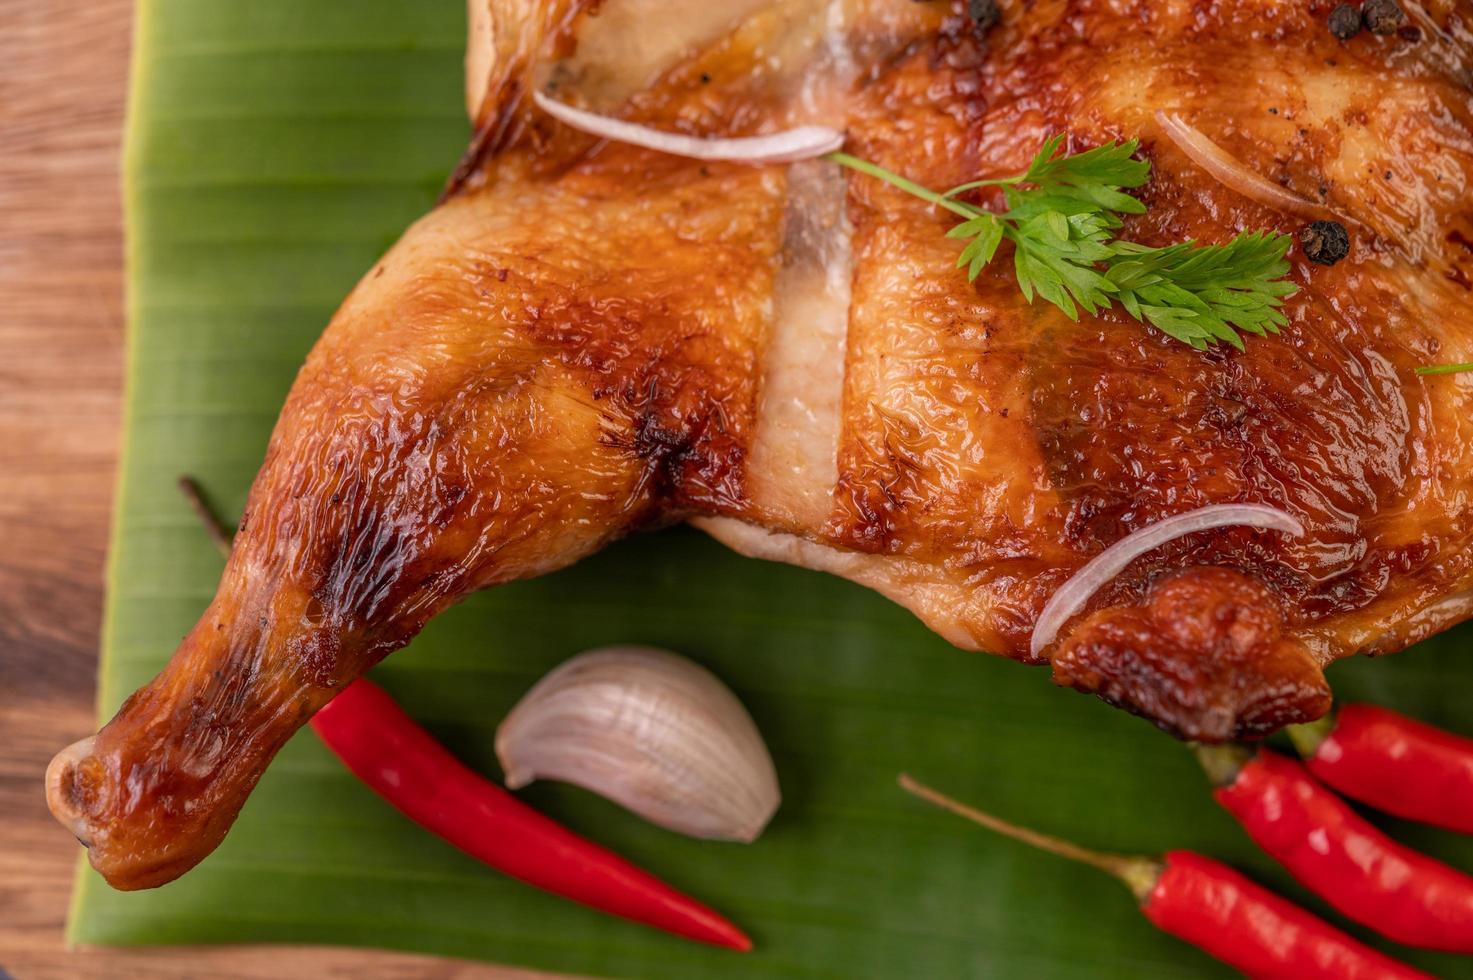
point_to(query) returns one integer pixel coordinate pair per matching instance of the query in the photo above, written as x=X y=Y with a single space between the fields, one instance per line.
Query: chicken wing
x=588 y=339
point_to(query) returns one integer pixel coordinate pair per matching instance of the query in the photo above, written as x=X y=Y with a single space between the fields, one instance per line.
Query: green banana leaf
x=275 y=148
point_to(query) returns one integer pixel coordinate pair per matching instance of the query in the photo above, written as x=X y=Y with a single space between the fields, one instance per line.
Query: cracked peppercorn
x=1382 y=16
x=985 y=14
x=1345 y=21
x=1325 y=242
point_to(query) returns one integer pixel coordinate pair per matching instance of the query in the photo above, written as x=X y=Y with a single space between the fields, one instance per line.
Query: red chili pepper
x=1247 y=926
x=1215 y=909
x=1393 y=763
x=401 y=762
x=1401 y=893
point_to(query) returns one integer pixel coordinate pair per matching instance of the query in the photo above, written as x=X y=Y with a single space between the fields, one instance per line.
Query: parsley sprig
x=1062 y=216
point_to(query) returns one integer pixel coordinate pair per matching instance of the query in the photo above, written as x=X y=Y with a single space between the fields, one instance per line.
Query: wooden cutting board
x=63 y=85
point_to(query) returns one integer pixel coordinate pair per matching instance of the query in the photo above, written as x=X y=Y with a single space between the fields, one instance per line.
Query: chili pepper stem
x=1222 y=763
x=220 y=535
x=1308 y=736
x=1139 y=874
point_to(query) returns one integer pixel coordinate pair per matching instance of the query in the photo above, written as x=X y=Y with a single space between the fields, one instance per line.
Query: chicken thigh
x=587 y=339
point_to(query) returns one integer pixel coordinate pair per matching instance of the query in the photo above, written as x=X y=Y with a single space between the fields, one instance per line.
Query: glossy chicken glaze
x=585 y=340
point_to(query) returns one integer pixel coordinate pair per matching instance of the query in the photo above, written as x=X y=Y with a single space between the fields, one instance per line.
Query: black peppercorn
x=1345 y=21
x=985 y=13
x=1325 y=242
x=1382 y=16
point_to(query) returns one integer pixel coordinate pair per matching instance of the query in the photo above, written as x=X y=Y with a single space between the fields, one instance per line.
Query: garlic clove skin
x=654 y=732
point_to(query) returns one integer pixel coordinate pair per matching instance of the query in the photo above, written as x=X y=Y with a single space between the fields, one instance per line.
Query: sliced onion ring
x=788 y=146
x=1070 y=597
x=1229 y=171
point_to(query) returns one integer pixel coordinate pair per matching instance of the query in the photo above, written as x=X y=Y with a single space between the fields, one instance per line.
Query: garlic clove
x=654 y=732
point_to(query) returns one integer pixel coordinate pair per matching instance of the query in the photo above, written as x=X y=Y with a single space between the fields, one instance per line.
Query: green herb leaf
x=1061 y=217
x=1212 y=291
x=1095 y=176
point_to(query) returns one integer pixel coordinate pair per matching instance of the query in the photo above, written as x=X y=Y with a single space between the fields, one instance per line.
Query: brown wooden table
x=63 y=81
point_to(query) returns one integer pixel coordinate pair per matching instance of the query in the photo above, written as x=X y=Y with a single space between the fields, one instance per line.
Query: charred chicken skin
x=586 y=339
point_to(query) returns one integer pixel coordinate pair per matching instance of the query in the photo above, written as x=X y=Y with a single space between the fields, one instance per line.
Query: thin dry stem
x=220 y=534
x=1138 y=873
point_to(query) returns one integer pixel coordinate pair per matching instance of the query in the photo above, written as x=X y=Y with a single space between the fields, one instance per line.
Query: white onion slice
x=790 y=145
x=1070 y=597
x=1227 y=170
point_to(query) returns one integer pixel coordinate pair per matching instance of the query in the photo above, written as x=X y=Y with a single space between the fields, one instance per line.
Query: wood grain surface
x=63 y=82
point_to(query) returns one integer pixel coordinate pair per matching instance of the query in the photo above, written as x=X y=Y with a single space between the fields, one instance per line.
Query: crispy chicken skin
x=585 y=340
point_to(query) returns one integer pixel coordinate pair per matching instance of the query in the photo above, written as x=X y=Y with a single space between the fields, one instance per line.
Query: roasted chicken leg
x=588 y=339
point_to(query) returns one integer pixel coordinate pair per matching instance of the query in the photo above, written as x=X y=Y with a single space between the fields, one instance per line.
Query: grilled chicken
x=588 y=339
